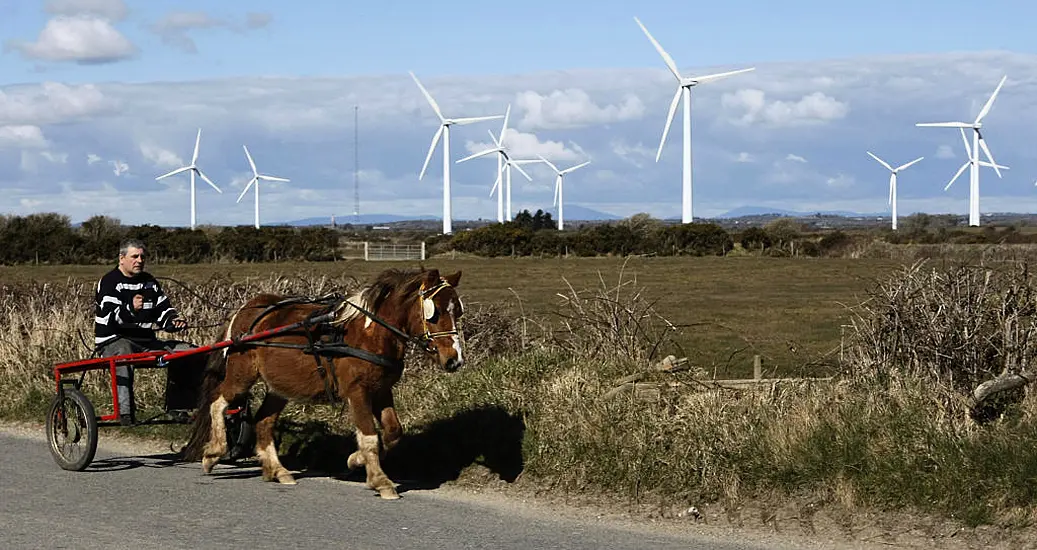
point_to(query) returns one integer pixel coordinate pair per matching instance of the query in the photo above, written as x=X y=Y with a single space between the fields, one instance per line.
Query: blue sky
x=100 y=96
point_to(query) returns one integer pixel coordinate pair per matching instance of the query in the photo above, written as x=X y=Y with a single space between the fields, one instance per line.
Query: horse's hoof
x=208 y=463
x=388 y=493
x=355 y=460
x=284 y=478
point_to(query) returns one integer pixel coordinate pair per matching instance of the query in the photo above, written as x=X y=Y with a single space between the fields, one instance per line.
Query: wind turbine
x=684 y=86
x=558 y=185
x=504 y=164
x=444 y=130
x=193 y=167
x=256 y=176
x=977 y=142
x=893 y=183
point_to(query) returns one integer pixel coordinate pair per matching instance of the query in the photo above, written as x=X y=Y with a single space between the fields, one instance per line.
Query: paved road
x=133 y=498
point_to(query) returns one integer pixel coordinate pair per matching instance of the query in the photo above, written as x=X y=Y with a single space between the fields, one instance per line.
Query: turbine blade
x=965 y=140
x=247 y=187
x=882 y=162
x=476 y=155
x=428 y=157
x=666 y=57
x=207 y=180
x=496 y=183
x=901 y=167
x=428 y=96
x=669 y=120
x=574 y=168
x=986 y=151
x=472 y=119
x=960 y=170
x=174 y=172
x=250 y=162
x=944 y=125
x=547 y=162
x=521 y=171
x=496 y=142
x=272 y=178
x=990 y=102
x=988 y=165
x=197 y=142
x=504 y=127
x=718 y=76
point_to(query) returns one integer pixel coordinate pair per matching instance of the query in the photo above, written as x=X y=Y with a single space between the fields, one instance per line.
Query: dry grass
x=894 y=434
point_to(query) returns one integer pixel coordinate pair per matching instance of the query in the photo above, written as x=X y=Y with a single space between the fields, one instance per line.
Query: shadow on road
x=489 y=436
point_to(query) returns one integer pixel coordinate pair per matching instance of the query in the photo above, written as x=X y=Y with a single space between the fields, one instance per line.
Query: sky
x=98 y=97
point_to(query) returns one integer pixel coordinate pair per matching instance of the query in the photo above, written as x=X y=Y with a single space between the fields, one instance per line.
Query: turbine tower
x=193 y=167
x=558 y=185
x=684 y=86
x=893 y=183
x=444 y=131
x=973 y=152
x=970 y=163
x=256 y=176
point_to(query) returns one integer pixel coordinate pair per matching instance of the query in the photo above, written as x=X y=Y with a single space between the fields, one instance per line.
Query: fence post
x=365 y=252
x=757 y=367
x=423 y=250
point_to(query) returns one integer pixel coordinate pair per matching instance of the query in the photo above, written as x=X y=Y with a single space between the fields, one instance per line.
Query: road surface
x=134 y=497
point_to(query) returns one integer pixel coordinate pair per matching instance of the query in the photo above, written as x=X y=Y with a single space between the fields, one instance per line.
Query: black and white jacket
x=113 y=308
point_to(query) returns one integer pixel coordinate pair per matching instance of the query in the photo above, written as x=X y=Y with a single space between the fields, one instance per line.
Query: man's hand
x=138 y=302
x=177 y=324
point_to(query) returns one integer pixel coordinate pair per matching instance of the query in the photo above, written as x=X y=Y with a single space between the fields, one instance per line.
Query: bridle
x=428 y=311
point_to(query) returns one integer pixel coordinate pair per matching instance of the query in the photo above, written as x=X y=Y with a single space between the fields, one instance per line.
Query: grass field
x=788 y=310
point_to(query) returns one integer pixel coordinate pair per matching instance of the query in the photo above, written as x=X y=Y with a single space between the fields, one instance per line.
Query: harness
x=328 y=346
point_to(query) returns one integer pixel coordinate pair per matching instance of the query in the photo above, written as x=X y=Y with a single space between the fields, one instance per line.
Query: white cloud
x=840 y=181
x=795 y=158
x=119 y=167
x=634 y=154
x=92 y=158
x=22 y=136
x=572 y=108
x=83 y=39
x=521 y=145
x=51 y=102
x=744 y=157
x=944 y=152
x=174 y=27
x=159 y=156
x=108 y=9
x=56 y=158
x=750 y=106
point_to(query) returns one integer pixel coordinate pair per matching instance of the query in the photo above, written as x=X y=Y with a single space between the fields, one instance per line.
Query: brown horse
x=419 y=306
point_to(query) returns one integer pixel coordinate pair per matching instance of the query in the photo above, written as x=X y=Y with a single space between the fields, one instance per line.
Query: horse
x=374 y=324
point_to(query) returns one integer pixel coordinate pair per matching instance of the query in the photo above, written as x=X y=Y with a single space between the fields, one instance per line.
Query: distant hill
x=364 y=219
x=576 y=212
x=744 y=211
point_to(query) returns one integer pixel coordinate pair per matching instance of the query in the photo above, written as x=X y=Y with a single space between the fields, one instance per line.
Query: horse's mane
x=400 y=283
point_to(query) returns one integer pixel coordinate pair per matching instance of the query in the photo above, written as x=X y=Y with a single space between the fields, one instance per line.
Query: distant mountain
x=744 y=211
x=576 y=212
x=363 y=219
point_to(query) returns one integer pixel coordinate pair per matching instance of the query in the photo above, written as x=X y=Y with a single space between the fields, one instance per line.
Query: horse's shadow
x=488 y=435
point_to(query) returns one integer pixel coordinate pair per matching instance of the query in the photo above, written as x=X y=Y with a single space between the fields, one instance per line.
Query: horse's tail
x=201 y=429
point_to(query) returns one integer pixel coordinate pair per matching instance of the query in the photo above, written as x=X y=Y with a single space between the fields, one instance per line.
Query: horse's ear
x=454 y=278
x=431 y=277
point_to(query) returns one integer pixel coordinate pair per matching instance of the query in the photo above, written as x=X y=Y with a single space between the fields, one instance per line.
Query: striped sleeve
x=163 y=312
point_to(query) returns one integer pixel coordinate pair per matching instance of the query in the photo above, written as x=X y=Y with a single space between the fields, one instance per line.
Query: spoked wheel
x=72 y=430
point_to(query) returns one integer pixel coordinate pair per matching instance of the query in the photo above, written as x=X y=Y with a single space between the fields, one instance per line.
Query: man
x=128 y=307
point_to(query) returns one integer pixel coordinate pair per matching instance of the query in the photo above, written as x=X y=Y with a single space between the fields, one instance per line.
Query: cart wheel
x=72 y=430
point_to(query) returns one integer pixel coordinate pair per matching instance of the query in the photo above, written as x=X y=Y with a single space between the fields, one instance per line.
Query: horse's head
x=439 y=308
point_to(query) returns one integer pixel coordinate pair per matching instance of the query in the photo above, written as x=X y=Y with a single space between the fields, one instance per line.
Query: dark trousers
x=124 y=373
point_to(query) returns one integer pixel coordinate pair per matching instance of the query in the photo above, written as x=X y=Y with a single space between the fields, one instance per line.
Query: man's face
x=132 y=263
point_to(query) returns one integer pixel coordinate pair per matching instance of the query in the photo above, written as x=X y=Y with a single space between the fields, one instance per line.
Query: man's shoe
x=126 y=419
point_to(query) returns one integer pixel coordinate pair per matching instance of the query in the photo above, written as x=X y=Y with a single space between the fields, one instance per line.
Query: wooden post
x=757 y=367
x=366 y=257
x=422 y=250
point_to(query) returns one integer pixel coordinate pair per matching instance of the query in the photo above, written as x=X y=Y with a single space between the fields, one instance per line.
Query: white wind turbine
x=684 y=86
x=256 y=176
x=504 y=164
x=893 y=183
x=973 y=152
x=444 y=131
x=558 y=185
x=194 y=170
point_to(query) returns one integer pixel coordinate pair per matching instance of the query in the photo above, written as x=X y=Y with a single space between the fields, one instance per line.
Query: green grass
x=788 y=310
